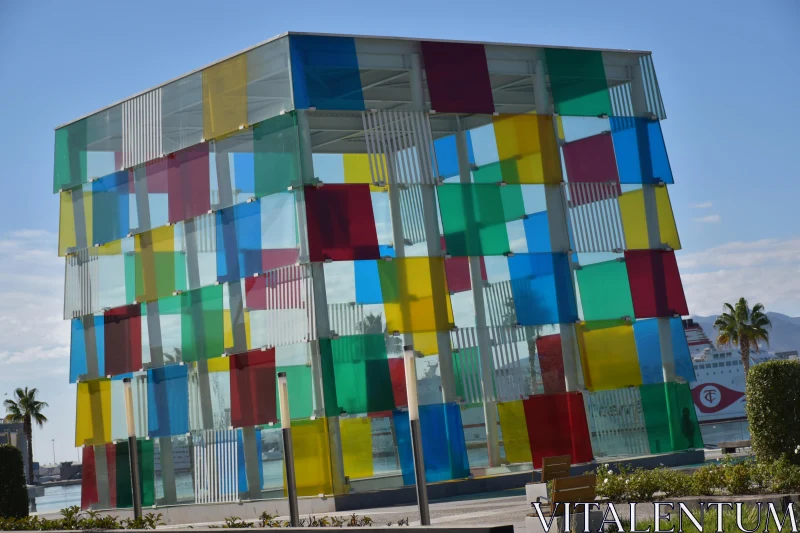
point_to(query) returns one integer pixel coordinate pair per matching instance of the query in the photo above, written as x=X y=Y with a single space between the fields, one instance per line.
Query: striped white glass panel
x=141 y=129
x=289 y=314
x=346 y=318
x=594 y=216
x=405 y=138
x=651 y=90
x=509 y=376
x=500 y=304
x=411 y=212
x=216 y=471
x=616 y=422
x=81 y=294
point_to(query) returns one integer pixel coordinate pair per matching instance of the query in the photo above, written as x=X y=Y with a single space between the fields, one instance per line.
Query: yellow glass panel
x=634 y=222
x=426 y=343
x=225 y=97
x=560 y=125
x=531 y=140
x=229 y=328
x=666 y=219
x=66 y=223
x=312 y=458
x=356 y=170
x=110 y=248
x=93 y=413
x=160 y=240
x=609 y=357
x=356 y=436
x=219 y=364
x=515 y=432
x=415 y=295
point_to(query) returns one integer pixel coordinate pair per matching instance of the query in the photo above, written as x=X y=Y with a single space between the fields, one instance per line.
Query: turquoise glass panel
x=110 y=204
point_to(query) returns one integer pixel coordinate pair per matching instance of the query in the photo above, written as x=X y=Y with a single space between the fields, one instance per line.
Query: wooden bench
x=556 y=467
x=732 y=446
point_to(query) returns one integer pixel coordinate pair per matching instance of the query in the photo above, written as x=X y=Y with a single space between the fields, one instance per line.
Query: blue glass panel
x=239 y=241
x=240 y=466
x=541 y=285
x=368 y=284
x=683 y=359
x=640 y=150
x=244 y=172
x=110 y=203
x=648 y=349
x=77 y=351
x=325 y=72
x=447 y=155
x=537 y=232
x=168 y=401
x=443 y=444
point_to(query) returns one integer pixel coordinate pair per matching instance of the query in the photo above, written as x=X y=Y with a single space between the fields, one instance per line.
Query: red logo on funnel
x=711 y=397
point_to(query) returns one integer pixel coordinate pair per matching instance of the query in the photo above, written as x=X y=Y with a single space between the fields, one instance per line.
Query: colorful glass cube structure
x=312 y=205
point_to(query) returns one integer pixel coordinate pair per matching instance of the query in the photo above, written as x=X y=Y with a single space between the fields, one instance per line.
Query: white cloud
x=709 y=219
x=763 y=271
x=702 y=205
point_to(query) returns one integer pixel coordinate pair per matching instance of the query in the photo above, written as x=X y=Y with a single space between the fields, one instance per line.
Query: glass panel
x=363 y=382
x=89 y=495
x=180 y=453
x=110 y=207
x=458 y=77
x=325 y=73
x=649 y=350
x=551 y=363
x=239 y=242
x=119 y=420
x=529 y=140
x=341 y=223
x=447 y=155
x=87 y=149
x=568 y=433
x=356 y=435
x=123 y=340
x=188 y=183
x=542 y=289
x=225 y=97
x=616 y=422
x=311 y=457
x=444 y=446
x=75 y=220
x=357 y=169
x=368 y=283
x=253 y=388
x=605 y=292
x=147 y=490
x=578 y=82
x=182 y=113
x=156 y=269
x=666 y=219
x=168 y=401
x=537 y=232
x=87 y=329
x=202 y=327
x=670 y=417
x=301 y=395
x=93 y=413
x=458 y=274
x=397 y=371
x=655 y=284
x=516 y=444
x=268 y=85
x=591 y=159
x=415 y=295
x=276 y=155
x=608 y=355
x=634 y=220
x=272 y=444
x=683 y=359
x=640 y=150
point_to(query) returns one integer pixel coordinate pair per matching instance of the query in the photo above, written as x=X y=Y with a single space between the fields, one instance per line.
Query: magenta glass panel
x=458 y=77
x=188 y=183
x=591 y=159
x=655 y=282
x=123 y=339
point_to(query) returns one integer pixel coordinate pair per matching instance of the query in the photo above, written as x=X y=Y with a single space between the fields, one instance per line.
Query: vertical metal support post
x=416 y=435
x=484 y=348
x=432 y=238
x=559 y=236
x=132 y=449
x=288 y=450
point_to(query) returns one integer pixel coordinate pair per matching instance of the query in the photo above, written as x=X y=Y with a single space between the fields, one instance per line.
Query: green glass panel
x=123 y=467
x=605 y=292
x=670 y=417
x=488 y=173
x=474 y=217
x=276 y=154
x=363 y=383
x=202 y=329
x=146 y=473
x=578 y=82
x=168 y=275
x=301 y=395
x=70 y=156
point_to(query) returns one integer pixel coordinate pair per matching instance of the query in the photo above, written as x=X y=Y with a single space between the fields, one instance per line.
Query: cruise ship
x=718 y=389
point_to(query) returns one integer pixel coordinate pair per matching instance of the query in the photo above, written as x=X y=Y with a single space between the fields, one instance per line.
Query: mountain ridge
x=784 y=336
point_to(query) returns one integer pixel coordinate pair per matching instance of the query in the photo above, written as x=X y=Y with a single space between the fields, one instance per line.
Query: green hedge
x=773 y=409
x=13 y=493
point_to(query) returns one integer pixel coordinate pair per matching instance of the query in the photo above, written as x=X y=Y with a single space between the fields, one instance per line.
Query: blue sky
x=728 y=79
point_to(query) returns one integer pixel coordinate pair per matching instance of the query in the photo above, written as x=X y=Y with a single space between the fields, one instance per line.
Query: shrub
x=611 y=484
x=643 y=484
x=13 y=493
x=707 y=479
x=783 y=476
x=737 y=478
x=676 y=484
x=772 y=400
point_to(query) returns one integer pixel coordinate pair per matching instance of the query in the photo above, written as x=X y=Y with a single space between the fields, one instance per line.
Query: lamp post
x=132 y=452
x=288 y=452
x=416 y=437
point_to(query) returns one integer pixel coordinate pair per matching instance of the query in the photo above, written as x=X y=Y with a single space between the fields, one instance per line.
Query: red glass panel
x=89 y=478
x=557 y=426
x=279 y=257
x=253 y=388
x=458 y=77
x=457 y=272
x=277 y=289
x=397 y=371
x=341 y=223
x=551 y=363
x=123 y=339
x=111 y=466
x=655 y=282
x=188 y=183
x=591 y=160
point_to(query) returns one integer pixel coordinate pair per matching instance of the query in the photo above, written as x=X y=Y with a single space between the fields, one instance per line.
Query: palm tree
x=744 y=327
x=27 y=409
